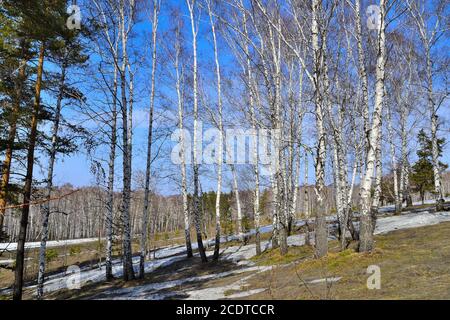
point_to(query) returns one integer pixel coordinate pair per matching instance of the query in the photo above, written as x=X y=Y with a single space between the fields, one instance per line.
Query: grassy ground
x=414 y=264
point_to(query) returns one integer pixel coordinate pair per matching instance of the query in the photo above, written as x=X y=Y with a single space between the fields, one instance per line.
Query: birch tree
x=156 y=9
x=107 y=46
x=221 y=130
x=366 y=223
x=111 y=175
x=126 y=110
x=321 y=234
x=362 y=70
x=179 y=85
x=196 y=201
x=430 y=28
x=251 y=89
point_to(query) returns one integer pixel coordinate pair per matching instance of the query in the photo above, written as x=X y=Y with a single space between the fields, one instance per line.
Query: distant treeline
x=82 y=214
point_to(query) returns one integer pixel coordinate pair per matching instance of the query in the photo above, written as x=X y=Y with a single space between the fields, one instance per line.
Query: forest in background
x=81 y=215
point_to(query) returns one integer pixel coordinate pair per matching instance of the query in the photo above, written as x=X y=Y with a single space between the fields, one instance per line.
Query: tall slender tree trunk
x=279 y=192
x=439 y=195
x=220 y=151
x=51 y=164
x=376 y=200
x=339 y=154
x=366 y=228
x=299 y=142
x=149 y=146
x=256 y=206
x=128 y=272
x=291 y=178
x=321 y=232
x=196 y=200
x=184 y=192
x=397 y=196
x=362 y=75
x=27 y=190
x=250 y=87
x=296 y=184
x=110 y=187
x=238 y=202
x=407 y=170
x=256 y=197
x=306 y=206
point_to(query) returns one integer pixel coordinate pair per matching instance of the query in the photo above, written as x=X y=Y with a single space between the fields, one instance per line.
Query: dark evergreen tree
x=39 y=25
x=422 y=176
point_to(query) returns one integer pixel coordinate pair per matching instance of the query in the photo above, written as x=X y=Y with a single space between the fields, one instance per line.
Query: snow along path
x=12 y=246
x=411 y=220
x=217 y=293
x=238 y=254
x=151 y=291
x=87 y=275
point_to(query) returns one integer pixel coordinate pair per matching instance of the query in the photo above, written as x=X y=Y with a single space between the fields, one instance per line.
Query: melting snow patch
x=412 y=220
x=150 y=291
x=12 y=246
x=217 y=293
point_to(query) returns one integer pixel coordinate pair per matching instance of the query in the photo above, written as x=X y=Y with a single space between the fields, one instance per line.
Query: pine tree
x=66 y=53
x=422 y=176
x=40 y=24
x=15 y=94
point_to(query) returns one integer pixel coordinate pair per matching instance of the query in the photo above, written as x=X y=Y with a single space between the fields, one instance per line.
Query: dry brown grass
x=414 y=263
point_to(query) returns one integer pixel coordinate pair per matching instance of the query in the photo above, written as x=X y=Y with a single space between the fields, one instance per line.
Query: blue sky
x=75 y=169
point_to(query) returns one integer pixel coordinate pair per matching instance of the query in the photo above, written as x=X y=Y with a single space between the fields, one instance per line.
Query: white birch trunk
x=238 y=202
x=250 y=88
x=366 y=228
x=397 y=199
x=220 y=151
x=110 y=187
x=321 y=234
x=184 y=192
x=299 y=142
x=362 y=74
x=128 y=272
x=191 y=7
x=147 y=198
x=439 y=195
